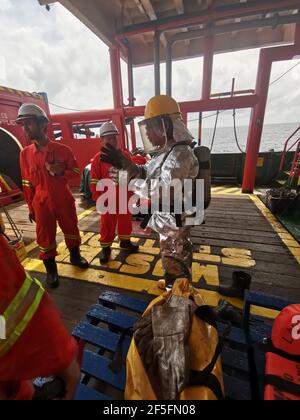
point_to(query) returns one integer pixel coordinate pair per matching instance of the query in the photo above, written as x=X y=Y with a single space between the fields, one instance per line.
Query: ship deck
x=239 y=234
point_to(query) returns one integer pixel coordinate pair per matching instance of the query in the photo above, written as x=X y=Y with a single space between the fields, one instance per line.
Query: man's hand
x=31 y=217
x=55 y=169
x=71 y=377
x=113 y=156
x=116 y=158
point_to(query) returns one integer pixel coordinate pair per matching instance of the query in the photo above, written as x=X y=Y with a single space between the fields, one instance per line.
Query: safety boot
x=240 y=282
x=129 y=246
x=76 y=258
x=227 y=312
x=52 y=279
x=104 y=255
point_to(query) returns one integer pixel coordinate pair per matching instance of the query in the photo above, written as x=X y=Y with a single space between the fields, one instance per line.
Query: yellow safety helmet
x=161 y=105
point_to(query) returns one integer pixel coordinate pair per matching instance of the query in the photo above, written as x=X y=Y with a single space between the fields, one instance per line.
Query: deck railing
x=296 y=160
x=290 y=148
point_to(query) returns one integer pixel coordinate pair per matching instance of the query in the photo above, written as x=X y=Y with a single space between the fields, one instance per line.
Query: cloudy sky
x=54 y=52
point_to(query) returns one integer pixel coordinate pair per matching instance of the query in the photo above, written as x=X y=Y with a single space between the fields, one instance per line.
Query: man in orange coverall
x=33 y=340
x=46 y=167
x=100 y=171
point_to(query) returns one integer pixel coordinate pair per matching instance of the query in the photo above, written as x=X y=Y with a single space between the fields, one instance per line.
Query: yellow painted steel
x=20 y=92
x=284 y=235
x=5 y=183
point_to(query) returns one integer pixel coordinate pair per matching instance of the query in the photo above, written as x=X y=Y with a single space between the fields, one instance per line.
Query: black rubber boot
x=76 y=259
x=129 y=246
x=105 y=254
x=227 y=312
x=240 y=282
x=52 y=278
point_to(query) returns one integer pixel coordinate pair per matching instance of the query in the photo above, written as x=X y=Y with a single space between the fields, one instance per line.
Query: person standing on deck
x=100 y=171
x=46 y=167
x=33 y=340
x=169 y=142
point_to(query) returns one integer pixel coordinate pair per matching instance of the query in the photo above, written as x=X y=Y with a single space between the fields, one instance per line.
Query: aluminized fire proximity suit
x=173 y=158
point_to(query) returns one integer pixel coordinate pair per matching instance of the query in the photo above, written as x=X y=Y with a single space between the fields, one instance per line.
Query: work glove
x=171 y=329
x=143 y=337
x=116 y=158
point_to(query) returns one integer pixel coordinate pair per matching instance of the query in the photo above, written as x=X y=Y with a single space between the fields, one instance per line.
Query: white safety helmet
x=29 y=111
x=108 y=129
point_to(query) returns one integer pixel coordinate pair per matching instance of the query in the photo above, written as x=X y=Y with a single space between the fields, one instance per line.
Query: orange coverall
x=44 y=349
x=109 y=222
x=49 y=197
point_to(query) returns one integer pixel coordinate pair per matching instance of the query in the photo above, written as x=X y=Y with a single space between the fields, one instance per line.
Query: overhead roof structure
x=235 y=24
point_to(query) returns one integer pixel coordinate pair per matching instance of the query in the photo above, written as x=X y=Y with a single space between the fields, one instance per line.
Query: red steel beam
x=246 y=101
x=267 y=57
x=212 y=15
x=116 y=77
x=86 y=116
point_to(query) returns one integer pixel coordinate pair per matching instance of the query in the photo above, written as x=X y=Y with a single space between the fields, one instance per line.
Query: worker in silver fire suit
x=168 y=140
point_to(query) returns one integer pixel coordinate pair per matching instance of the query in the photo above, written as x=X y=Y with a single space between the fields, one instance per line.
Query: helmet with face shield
x=163 y=124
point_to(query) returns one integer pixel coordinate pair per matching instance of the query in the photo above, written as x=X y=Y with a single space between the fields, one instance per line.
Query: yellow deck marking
x=238 y=257
x=205 y=249
x=284 y=235
x=128 y=273
x=137 y=264
x=226 y=190
x=207 y=257
x=85 y=213
x=135 y=284
x=5 y=183
x=209 y=273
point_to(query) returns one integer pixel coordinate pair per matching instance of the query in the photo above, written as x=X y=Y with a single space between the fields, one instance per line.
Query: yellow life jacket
x=206 y=377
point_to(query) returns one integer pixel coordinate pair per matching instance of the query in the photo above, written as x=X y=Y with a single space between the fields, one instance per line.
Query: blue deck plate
x=99 y=337
x=84 y=393
x=111 y=317
x=98 y=367
x=123 y=301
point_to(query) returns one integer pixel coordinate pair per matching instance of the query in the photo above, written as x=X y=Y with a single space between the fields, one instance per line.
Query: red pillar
x=116 y=78
x=208 y=59
x=267 y=57
x=257 y=121
x=132 y=135
x=66 y=131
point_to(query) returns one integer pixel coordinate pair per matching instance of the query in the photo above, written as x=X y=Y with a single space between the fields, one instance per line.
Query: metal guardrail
x=286 y=148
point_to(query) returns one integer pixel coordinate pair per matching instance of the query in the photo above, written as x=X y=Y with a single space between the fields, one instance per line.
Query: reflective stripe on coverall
x=44 y=347
x=49 y=197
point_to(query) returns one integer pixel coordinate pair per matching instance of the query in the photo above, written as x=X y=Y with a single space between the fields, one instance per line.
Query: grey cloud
x=54 y=52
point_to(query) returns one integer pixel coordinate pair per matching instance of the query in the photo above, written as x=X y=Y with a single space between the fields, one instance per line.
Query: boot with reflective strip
x=20 y=312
